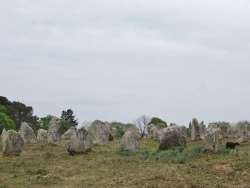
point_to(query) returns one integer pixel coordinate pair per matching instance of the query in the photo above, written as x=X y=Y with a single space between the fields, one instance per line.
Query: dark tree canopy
x=156 y=121
x=44 y=122
x=5 y=121
x=19 y=113
x=68 y=116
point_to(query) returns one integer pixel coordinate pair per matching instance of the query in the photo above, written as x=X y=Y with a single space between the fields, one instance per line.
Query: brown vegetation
x=43 y=165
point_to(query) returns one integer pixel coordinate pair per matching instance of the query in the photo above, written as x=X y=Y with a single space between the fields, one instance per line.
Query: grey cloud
x=117 y=60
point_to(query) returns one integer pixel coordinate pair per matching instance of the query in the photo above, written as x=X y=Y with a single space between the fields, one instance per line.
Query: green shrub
x=126 y=153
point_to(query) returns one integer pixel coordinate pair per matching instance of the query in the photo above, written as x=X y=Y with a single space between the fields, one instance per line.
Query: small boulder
x=54 y=131
x=42 y=134
x=130 y=141
x=80 y=142
x=27 y=133
x=172 y=137
x=69 y=133
x=13 y=143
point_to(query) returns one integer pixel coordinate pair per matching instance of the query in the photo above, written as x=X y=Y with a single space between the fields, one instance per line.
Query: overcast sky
x=118 y=59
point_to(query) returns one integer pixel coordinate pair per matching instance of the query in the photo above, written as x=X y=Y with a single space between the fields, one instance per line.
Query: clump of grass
x=224 y=151
x=126 y=153
x=197 y=150
x=174 y=155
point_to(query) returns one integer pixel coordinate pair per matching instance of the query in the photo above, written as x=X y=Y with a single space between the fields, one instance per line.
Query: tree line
x=14 y=113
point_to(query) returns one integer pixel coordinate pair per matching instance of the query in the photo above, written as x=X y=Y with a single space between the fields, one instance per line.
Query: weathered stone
x=13 y=143
x=158 y=131
x=172 y=137
x=80 y=142
x=203 y=130
x=131 y=127
x=241 y=131
x=130 y=141
x=27 y=133
x=3 y=134
x=150 y=130
x=69 y=133
x=212 y=140
x=223 y=128
x=113 y=131
x=243 y=139
x=100 y=132
x=195 y=130
x=54 y=131
x=42 y=134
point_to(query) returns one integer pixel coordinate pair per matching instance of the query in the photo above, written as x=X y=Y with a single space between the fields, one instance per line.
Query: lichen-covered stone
x=13 y=143
x=27 y=133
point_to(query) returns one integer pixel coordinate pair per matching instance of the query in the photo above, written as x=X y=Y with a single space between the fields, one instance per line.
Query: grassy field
x=43 y=165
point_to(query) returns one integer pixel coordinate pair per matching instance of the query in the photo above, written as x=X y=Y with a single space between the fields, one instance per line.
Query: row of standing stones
x=100 y=133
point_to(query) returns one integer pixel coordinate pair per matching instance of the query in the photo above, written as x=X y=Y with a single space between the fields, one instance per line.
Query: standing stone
x=195 y=130
x=100 y=132
x=42 y=134
x=172 y=137
x=130 y=141
x=3 y=134
x=203 y=130
x=54 y=131
x=150 y=130
x=212 y=140
x=13 y=143
x=27 y=133
x=158 y=131
x=223 y=128
x=80 y=142
x=69 y=133
x=131 y=127
x=113 y=131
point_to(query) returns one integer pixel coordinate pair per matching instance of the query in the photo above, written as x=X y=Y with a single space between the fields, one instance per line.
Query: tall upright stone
x=69 y=133
x=13 y=143
x=27 y=133
x=80 y=142
x=212 y=140
x=158 y=131
x=3 y=134
x=195 y=130
x=54 y=131
x=100 y=132
x=42 y=134
x=130 y=141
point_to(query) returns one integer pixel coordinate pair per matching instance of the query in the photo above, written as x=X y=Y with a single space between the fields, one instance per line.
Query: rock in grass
x=3 y=134
x=195 y=130
x=69 y=133
x=13 y=143
x=100 y=132
x=27 y=133
x=80 y=142
x=130 y=141
x=172 y=137
x=42 y=134
x=212 y=141
x=54 y=131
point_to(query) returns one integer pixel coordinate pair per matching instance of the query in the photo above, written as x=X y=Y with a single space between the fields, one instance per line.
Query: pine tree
x=68 y=116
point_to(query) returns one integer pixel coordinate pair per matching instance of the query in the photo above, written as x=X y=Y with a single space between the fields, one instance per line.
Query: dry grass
x=42 y=165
